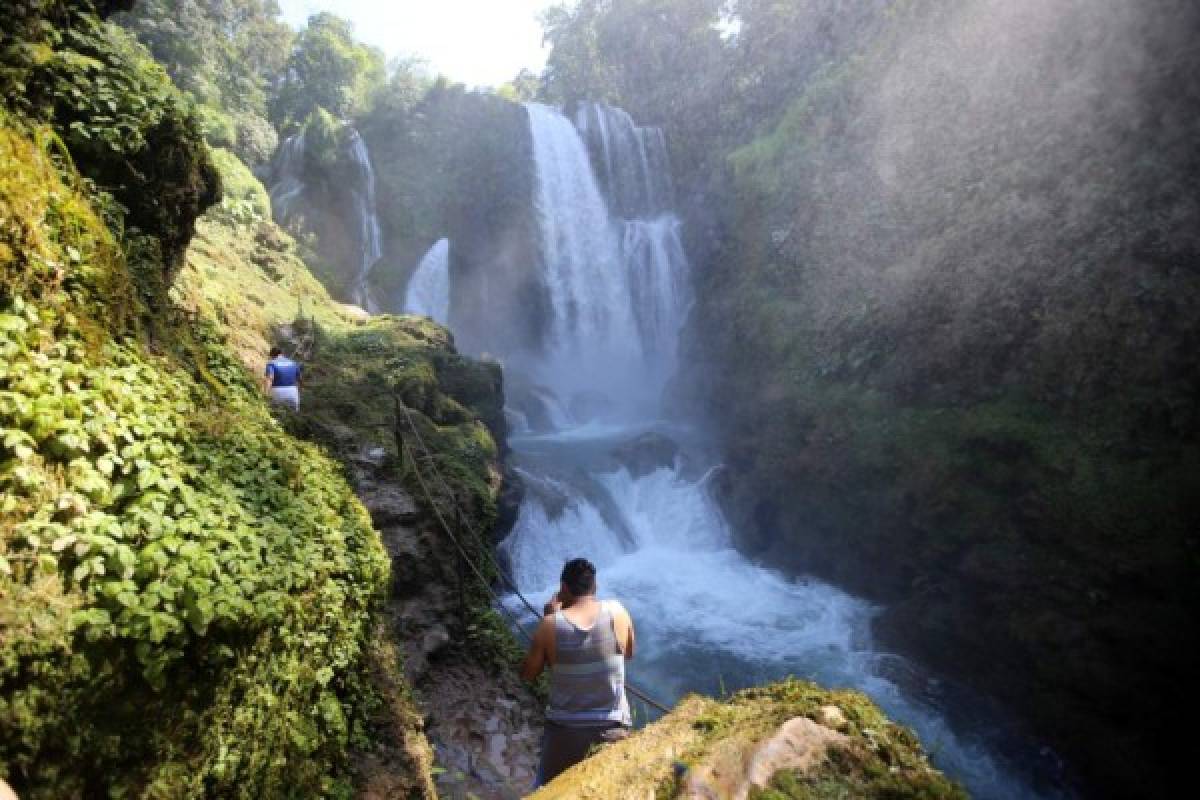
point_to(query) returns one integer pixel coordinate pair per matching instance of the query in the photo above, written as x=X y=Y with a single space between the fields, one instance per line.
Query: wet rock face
x=646 y=453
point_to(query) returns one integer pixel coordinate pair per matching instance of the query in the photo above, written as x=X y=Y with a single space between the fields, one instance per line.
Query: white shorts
x=286 y=395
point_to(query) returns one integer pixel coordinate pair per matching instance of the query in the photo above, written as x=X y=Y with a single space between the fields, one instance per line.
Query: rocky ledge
x=787 y=740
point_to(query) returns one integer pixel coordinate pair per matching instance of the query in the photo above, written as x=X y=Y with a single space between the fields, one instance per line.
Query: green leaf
x=63 y=542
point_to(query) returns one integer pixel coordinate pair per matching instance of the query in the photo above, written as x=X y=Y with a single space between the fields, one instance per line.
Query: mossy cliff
x=786 y=740
x=948 y=334
x=458 y=164
x=186 y=590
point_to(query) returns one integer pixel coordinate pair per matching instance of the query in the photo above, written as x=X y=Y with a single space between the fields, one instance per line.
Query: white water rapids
x=708 y=620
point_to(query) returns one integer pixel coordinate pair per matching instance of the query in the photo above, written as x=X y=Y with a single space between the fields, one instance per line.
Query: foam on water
x=710 y=620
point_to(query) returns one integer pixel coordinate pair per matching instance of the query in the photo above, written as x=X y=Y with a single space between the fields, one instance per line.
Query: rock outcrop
x=787 y=740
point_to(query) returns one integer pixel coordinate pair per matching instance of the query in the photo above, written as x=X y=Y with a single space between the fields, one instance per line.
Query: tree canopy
x=226 y=54
x=328 y=68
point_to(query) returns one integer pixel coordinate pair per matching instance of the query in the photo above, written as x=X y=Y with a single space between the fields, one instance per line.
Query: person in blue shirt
x=282 y=380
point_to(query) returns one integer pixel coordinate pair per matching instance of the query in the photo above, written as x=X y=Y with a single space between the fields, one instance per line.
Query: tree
x=327 y=69
x=226 y=54
x=524 y=86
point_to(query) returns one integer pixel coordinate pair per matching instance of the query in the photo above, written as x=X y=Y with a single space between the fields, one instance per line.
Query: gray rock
x=646 y=453
x=391 y=505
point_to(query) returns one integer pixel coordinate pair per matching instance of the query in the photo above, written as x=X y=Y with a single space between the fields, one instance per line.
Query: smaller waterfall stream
x=287 y=176
x=288 y=190
x=370 y=238
x=428 y=292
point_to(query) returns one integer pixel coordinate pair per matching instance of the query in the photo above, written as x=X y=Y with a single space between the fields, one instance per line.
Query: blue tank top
x=283 y=372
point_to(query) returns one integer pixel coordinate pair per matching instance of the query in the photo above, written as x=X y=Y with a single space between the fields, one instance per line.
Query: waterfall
x=370 y=239
x=288 y=188
x=287 y=177
x=592 y=323
x=617 y=285
x=634 y=165
x=611 y=474
x=428 y=290
x=657 y=266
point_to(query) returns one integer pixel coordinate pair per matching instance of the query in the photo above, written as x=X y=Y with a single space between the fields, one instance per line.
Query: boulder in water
x=646 y=453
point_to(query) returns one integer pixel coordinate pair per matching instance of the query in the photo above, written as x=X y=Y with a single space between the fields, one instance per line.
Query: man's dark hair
x=276 y=352
x=579 y=575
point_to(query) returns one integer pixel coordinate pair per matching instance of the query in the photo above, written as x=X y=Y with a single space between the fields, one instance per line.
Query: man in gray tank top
x=584 y=642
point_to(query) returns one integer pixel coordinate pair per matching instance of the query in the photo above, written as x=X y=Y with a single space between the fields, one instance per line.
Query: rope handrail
x=638 y=693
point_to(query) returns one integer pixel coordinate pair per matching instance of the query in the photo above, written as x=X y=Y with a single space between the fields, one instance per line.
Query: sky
x=477 y=42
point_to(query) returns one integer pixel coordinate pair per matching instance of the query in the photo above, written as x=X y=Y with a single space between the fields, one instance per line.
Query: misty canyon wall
x=946 y=325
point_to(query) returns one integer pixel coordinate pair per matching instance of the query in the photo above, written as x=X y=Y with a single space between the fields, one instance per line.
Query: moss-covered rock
x=243 y=198
x=382 y=373
x=711 y=748
x=124 y=125
x=203 y=580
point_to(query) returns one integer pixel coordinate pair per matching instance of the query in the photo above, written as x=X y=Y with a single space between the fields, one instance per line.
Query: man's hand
x=554 y=605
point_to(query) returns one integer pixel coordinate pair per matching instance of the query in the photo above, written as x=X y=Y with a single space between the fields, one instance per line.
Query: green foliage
x=244 y=200
x=225 y=54
x=327 y=69
x=185 y=590
x=523 y=88
x=123 y=123
x=655 y=57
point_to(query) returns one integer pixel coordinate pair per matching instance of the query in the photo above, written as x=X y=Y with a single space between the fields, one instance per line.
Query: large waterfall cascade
x=708 y=619
x=428 y=291
x=618 y=285
x=288 y=188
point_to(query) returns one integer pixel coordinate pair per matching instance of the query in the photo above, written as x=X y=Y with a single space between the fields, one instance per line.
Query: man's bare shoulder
x=546 y=624
x=618 y=608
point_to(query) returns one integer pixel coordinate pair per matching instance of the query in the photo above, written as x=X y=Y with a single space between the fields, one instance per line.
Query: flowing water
x=370 y=239
x=428 y=292
x=288 y=189
x=287 y=177
x=708 y=619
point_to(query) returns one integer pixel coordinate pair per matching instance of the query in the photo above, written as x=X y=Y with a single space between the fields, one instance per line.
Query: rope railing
x=487 y=585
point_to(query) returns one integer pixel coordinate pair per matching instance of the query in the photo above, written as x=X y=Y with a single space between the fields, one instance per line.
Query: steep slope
x=187 y=588
x=440 y=658
x=186 y=591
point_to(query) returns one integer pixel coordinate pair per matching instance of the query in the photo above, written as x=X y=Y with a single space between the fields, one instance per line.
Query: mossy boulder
x=786 y=740
x=386 y=376
x=125 y=127
x=243 y=197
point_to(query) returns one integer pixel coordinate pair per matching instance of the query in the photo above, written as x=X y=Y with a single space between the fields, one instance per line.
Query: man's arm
x=630 y=640
x=539 y=649
x=268 y=377
x=624 y=630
